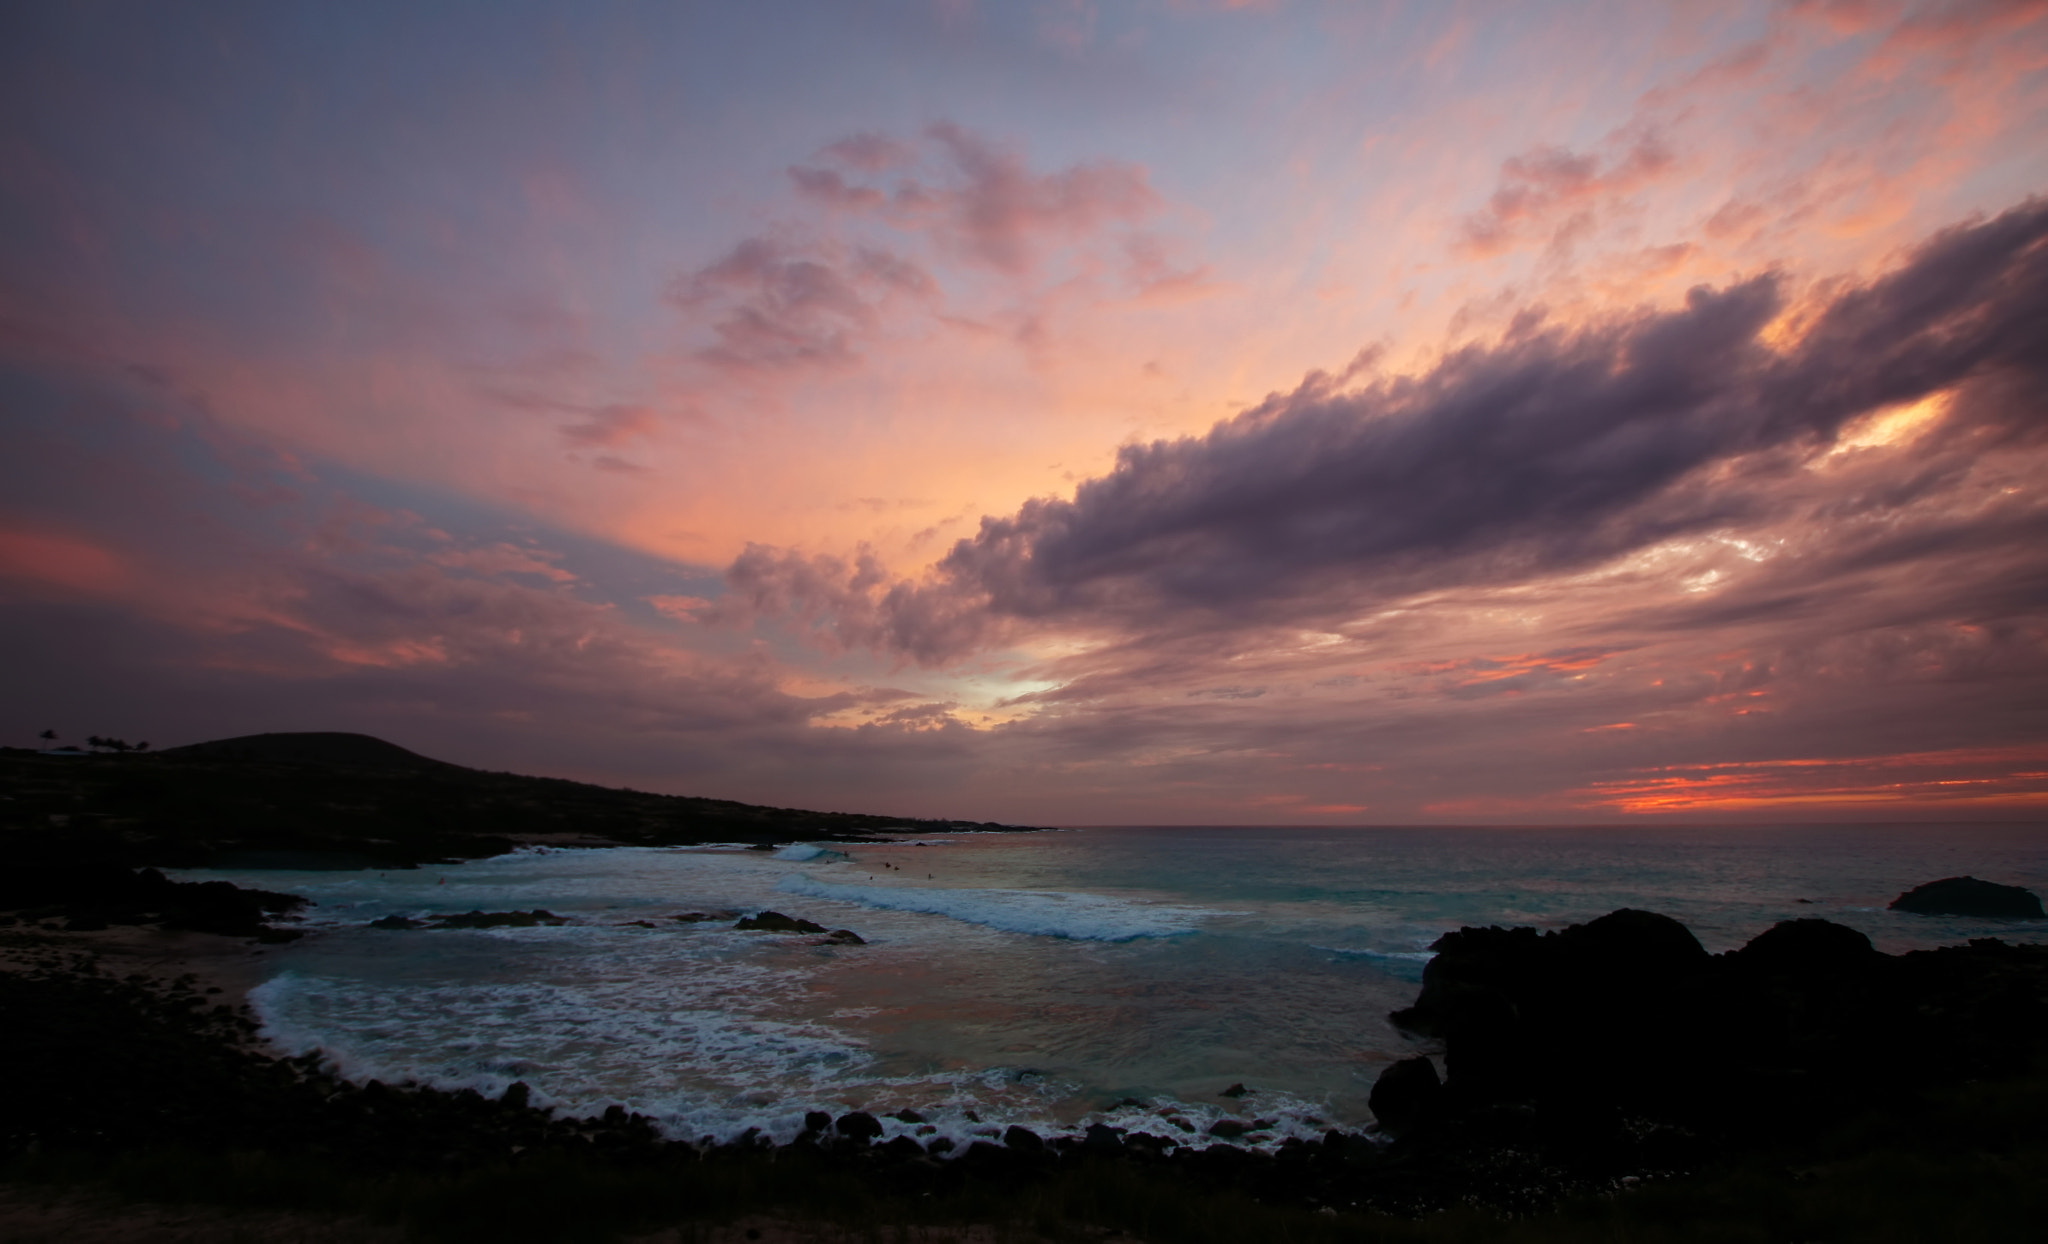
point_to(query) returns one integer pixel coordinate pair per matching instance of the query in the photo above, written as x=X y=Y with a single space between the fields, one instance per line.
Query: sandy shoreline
x=231 y=965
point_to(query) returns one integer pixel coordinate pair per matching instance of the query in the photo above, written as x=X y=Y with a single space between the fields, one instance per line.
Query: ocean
x=1125 y=975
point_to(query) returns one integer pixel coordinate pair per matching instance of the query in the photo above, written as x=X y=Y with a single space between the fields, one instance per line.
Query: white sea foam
x=810 y=852
x=1356 y=952
x=1044 y=913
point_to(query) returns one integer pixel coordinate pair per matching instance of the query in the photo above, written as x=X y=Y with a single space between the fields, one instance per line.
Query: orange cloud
x=1999 y=777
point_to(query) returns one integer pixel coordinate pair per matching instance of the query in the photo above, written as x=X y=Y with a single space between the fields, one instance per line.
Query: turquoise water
x=1031 y=978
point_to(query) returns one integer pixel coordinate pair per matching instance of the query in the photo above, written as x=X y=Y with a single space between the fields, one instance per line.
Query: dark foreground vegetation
x=1574 y=1111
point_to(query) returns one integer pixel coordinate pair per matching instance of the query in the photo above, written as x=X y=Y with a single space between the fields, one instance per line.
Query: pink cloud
x=980 y=199
x=1003 y=210
x=869 y=152
x=776 y=306
x=681 y=608
x=611 y=426
x=1554 y=188
x=61 y=561
x=503 y=559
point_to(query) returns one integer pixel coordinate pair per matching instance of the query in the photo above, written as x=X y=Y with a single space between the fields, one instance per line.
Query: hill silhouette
x=337 y=800
x=332 y=747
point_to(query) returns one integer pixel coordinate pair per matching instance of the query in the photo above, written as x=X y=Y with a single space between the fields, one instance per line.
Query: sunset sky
x=1051 y=412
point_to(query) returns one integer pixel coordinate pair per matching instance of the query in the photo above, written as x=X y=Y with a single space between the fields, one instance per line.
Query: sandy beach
x=230 y=965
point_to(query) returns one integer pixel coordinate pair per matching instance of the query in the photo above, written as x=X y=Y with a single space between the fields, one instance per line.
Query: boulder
x=1103 y=1136
x=1405 y=1095
x=859 y=1125
x=816 y=1121
x=1604 y=1007
x=396 y=922
x=1023 y=1139
x=1227 y=1129
x=1967 y=896
x=843 y=937
x=1808 y=947
x=1631 y=944
x=903 y=1147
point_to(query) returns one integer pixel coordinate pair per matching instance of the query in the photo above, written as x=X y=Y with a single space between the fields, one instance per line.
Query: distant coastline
x=343 y=800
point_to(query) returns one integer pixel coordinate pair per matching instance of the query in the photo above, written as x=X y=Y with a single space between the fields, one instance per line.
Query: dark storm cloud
x=1554 y=450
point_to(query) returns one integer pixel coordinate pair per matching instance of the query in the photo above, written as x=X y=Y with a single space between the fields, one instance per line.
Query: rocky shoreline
x=1580 y=1062
x=1563 y=1068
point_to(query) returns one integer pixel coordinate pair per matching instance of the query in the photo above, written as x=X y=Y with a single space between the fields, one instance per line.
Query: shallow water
x=1034 y=978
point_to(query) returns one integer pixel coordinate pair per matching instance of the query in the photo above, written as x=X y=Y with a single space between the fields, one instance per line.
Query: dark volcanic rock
x=1405 y=1095
x=100 y=895
x=397 y=922
x=844 y=937
x=1810 y=946
x=859 y=1125
x=1967 y=896
x=1024 y=1140
x=1104 y=1137
x=1516 y=1008
x=1620 y=1046
x=776 y=922
x=903 y=1147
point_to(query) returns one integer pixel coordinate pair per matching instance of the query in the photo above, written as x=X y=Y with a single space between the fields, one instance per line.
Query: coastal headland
x=1608 y=1080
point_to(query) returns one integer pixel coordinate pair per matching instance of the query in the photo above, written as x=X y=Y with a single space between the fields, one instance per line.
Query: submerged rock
x=499 y=919
x=843 y=937
x=776 y=922
x=397 y=922
x=1967 y=896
